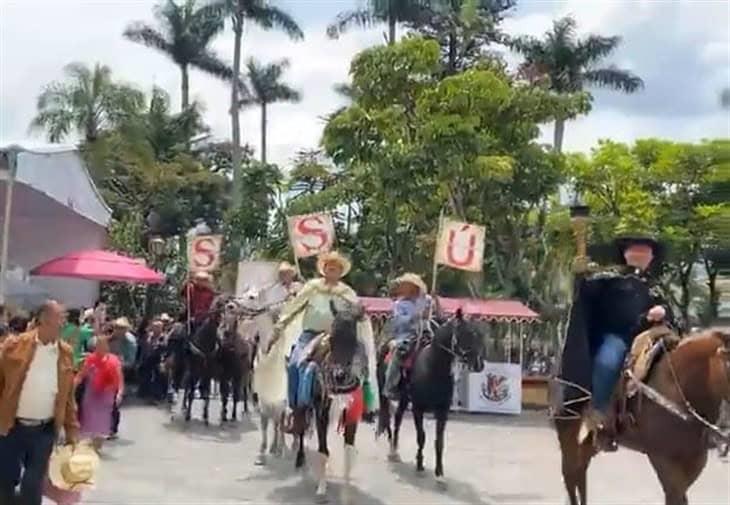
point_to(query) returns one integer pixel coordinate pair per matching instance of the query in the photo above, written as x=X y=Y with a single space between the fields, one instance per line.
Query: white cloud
x=37 y=38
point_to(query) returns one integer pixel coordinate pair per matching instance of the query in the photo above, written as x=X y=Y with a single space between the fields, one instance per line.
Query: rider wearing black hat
x=610 y=309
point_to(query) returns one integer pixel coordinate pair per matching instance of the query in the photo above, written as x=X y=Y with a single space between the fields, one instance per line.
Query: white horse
x=269 y=377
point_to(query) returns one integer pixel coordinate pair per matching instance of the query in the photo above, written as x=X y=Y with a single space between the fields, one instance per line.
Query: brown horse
x=695 y=379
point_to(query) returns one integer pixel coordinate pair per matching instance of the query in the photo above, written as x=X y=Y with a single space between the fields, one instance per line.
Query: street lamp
x=156 y=246
x=579 y=220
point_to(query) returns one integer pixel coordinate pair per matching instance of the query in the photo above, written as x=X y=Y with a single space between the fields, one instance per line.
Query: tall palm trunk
x=558 y=135
x=185 y=87
x=263 y=133
x=235 y=119
x=391 y=30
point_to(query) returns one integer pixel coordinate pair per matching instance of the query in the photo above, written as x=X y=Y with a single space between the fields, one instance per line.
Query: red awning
x=483 y=309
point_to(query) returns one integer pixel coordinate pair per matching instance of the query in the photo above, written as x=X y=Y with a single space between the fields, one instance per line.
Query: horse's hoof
x=206 y=422
x=394 y=457
x=420 y=470
x=441 y=483
x=321 y=498
x=260 y=460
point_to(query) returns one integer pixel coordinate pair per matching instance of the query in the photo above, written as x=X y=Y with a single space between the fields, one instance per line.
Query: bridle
x=453 y=348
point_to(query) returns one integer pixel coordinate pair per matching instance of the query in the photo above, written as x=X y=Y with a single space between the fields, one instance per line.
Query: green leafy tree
x=184 y=34
x=570 y=64
x=391 y=12
x=266 y=88
x=260 y=13
x=87 y=102
x=414 y=143
x=465 y=30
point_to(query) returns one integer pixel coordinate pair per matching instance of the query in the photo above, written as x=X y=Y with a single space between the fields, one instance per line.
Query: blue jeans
x=24 y=454
x=295 y=369
x=607 y=367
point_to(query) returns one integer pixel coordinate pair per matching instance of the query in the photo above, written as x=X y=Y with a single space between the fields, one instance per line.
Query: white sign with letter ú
x=461 y=245
x=311 y=234
x=204 y=252
x=496 y=389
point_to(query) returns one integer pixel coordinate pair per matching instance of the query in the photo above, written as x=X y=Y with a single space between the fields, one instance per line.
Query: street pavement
x=489 y=460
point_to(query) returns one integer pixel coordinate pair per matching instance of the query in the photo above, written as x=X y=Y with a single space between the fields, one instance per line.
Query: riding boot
x=350 y=456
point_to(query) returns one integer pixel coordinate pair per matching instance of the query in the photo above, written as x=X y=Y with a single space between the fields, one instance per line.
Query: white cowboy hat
x=201 y=276
x=333 y=257
x=285 y=266
x=414 y=280
x=122 y=322
x=73 y=469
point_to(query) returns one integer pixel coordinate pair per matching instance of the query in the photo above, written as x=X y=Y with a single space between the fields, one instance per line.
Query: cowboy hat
x=201 y=276
x=73 y=468
x=285 y=266
x=333 y=257
x=623 y=242
x=412 y=279
x=121 y=322
x=165 y=318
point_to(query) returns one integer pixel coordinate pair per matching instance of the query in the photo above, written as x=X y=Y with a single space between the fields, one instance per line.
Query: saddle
x=646 y=351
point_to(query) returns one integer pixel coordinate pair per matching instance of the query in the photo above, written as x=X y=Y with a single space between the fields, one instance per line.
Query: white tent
x=52 y=208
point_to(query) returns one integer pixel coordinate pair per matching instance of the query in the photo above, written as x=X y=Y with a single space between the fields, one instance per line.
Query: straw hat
x=285 y=266
x=165 y=318
x=333 y=257
x=73 y=469
x=412 y=279
x=201 y=276
x=121 y=322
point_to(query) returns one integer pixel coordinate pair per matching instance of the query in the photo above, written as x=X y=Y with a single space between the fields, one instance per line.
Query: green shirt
x=80 y=344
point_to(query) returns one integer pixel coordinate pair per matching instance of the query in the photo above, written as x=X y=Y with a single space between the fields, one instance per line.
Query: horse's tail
x=384 y=410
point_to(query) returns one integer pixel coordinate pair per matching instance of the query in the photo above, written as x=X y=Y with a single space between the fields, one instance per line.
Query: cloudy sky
x=681 y=48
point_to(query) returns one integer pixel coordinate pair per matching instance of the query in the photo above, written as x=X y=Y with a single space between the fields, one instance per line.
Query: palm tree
x=89 y=102
x=571 y=64
x=260 y=13
x=185 y=33
x=266 y=88
x=391 y=12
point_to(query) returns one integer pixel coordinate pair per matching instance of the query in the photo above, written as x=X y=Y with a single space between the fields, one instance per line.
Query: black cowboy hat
x=623 y=242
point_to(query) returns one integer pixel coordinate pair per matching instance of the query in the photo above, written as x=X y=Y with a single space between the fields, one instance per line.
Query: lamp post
x=579 y=220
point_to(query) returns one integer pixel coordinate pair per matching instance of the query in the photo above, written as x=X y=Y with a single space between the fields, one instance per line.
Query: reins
x=725 y=436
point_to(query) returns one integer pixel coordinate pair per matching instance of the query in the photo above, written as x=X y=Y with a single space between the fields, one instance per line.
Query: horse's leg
x=236 y=386
x=575 y=460
x=420 y=437
x=205 y=395
x=398 y=421
x=441 y=418
x=300 y=450
x=241 y=391
x=676 y=475
x=188 y=395
x=261 y=458
x=350 y=456
x=322 y=415
x=225 y=390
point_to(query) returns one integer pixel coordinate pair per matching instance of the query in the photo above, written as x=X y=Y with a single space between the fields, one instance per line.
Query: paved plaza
x=489 y=460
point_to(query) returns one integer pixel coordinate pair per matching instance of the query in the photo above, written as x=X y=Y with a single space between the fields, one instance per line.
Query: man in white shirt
x=36 y=402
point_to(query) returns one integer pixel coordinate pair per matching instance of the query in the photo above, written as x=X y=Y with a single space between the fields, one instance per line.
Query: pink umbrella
x=99 y=266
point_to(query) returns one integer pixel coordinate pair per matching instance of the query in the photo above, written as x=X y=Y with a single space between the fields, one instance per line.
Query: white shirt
x=38 y=394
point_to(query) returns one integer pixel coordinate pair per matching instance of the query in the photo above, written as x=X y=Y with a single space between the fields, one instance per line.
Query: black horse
x=202 y=360
x=235 y=360
x=429 y=384
x=341 y=362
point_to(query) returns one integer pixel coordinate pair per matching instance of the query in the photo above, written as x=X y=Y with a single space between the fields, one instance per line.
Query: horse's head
x=250 y=300
x=343 y=337
x=463 y=339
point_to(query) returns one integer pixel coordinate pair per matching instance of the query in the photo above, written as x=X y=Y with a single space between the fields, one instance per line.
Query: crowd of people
x=96 y=357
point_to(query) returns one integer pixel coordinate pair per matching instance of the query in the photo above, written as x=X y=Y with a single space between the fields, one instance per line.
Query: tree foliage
x=88 y=102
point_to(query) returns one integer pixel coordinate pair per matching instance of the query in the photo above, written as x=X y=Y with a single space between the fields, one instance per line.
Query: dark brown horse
x=235 y=361
x=693 y=380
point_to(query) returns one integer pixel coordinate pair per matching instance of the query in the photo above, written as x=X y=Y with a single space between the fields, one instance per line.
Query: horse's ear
x=459 y=315
x=333 y=309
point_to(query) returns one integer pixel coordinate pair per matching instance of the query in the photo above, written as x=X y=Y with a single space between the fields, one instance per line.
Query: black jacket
x=615 y=301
